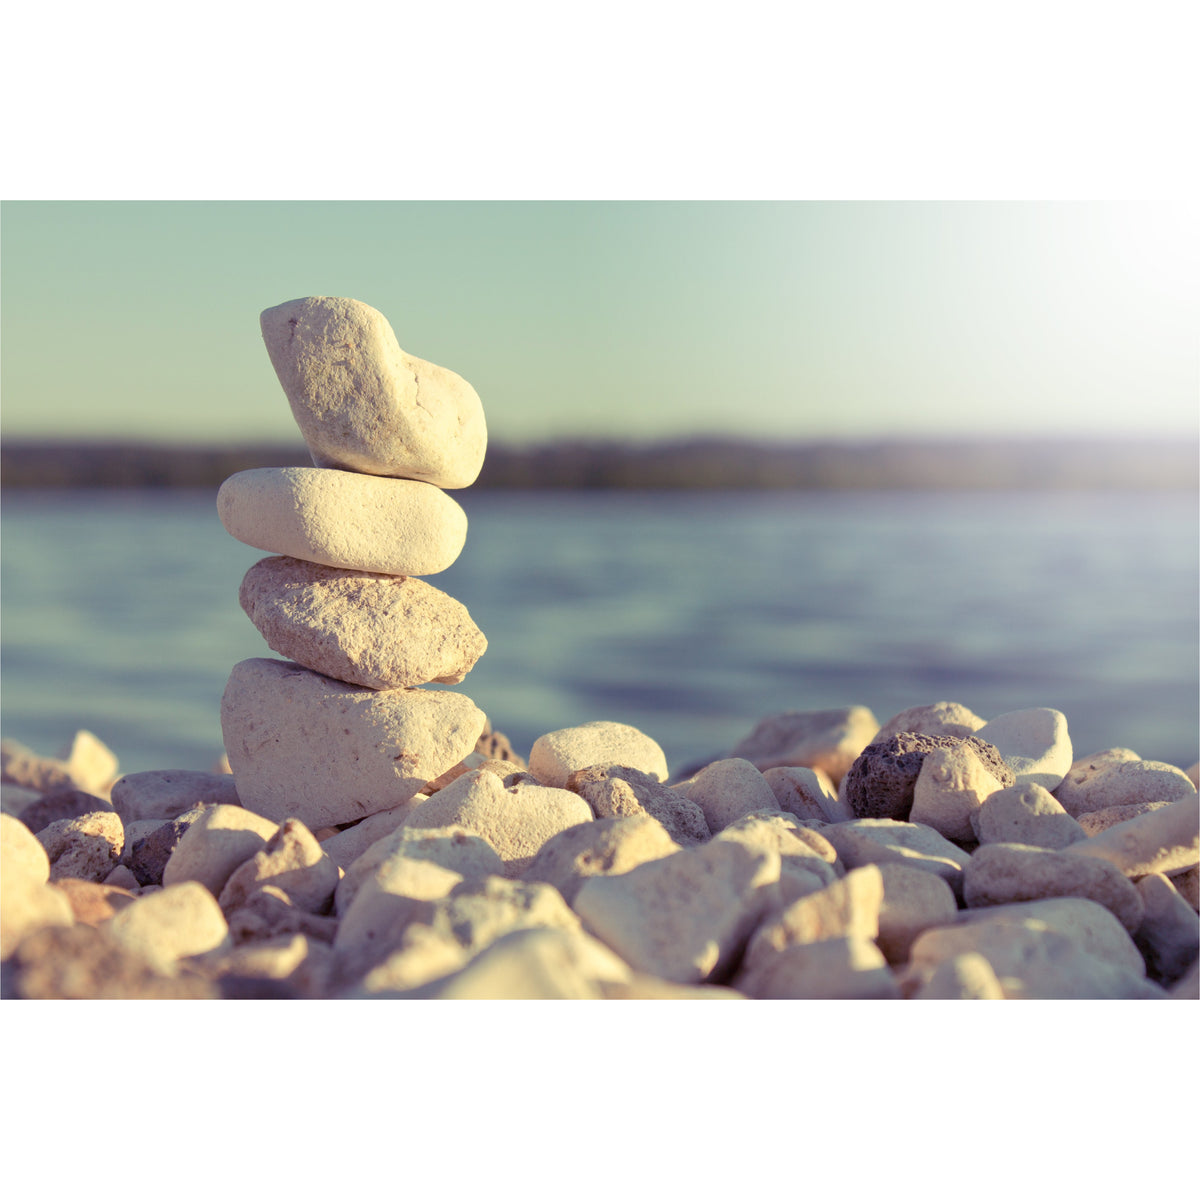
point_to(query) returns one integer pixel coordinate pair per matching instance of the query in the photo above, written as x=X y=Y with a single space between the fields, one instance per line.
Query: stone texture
x=951 y=785
x=215 y=844
x=727 y=790
x=1096 y=822
x=419 y=955
x=93 y=903
x=62 y=806
x=369 y=630
x=1112 y=778
x=86 y=847
x=173 y=923
x=881 y=781
x=362 y=404
x=292 y=861
x=1033 y=742
x=684 y=918
x=516 y=821
x=164 y=795
x=846 y=968
x=871 y=840
x=1003 y=873
x=828 y=740
x=615 y=791
x=149 y=854
x=1163 y=841
x=347 y=845
x=945 y=718
x=305 y=746
x=1028 y=814
x=807 y=793
x=340 y=519
x=807 y=861
x=556 y=756
x=913 y=901
x=605 y=846
x=1169 y=935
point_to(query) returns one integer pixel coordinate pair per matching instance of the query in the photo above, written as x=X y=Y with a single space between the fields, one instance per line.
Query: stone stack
x=344 y=729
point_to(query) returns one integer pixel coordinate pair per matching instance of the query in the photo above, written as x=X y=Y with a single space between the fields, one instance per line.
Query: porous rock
x=1111 y=778
x=164 y=795
x=292 y=861
x=215 y=844
x=62 y=806
x=341 y=519
x=828 y=740
x=1033 y=742
x=1028 y=814
x=86 y=847
x=557 y=755
x=364 y=405
x=172 y=923
x=1163 y=841
x=302 y=745
x=950 y=787
x=612 y=790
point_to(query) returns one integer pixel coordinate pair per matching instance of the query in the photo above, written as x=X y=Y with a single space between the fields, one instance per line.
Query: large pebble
x=943 y=718
x=913 y=901
x=86 y=847
x=845 y=968
x=164 y=795
x=686 y=917
x=950 y=787
x=292 y=861
x=872 y=840
x=362 y=404
x=1033 y=742
x=1169 y=935
x=828 y=740
x=1028 y=814
x=370 y=630
x=1108 y=781
x=340 y=519
x=215 y=844
x=172 y=923
x=807 y=793
x=516 y=821
x=302 y=745
x=556 y=756
x=1004 y=873
x=727 y=790
x=615 y=791
x=1162 y=841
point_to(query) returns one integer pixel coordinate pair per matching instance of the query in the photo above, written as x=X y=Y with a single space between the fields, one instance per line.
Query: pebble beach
x=366 y=836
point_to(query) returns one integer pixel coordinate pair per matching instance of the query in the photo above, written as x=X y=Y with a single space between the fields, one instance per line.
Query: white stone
x=339 y=519
x=829 y=740
x=21 y=853
x=1163 y=841
x=913 y=901
x=171 y=923
x=883 y=840
x=1101 y=819
x=727 y=790
x=847 y=968
x=1169 y=935
x=163 y=795
x=1107 y=781
x=369 y=630
x=302 y=745
x=943 y=718
x=951 y=786
x=1026 y=813
x=807 y=861
x=90 y=762
x=86 y=847
x=362 y=404
x=348 y=845
x=1033 y=742
x=215 y=844
x=807 y=793
x=85 y=763
x=556 y=756
x=292 y=861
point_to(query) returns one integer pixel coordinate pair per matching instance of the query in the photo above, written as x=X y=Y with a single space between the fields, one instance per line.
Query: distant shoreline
x=1044 y=464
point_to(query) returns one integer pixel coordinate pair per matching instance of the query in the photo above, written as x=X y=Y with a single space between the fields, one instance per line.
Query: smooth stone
x=605 y=846
x=944 y=718
x=515 y=821
x=339 y=519
x=85 y=763
x=1028 y=814
x=828 y=740
x=557 y=755
x=1033 y=742
x=913 y=901
x=369 y=630
x=215 y=844
x=1101 y=819
x=878 y=840
x=1188 y=988
x=86 y=847
x=302 y=745
x=881 y=781
x=27 y=902
x=846 y=968
x=950 y=787
x=684 y=918
x=122 y=877
x=93 y=903
x=349 y=844
x=1169 y=935
x=1003 y=873
x=964 y=977
x=1102 y=782
x=362 y=404
x=14 y=800
x=728 y=789
x=164 y=795
x=615 y=791
x=807 y=861
x=1163 y=841
x=151 y=850
x=293 y=861
x=22 y=855
x=175 y=922
x=62 y=806
x=807 y=793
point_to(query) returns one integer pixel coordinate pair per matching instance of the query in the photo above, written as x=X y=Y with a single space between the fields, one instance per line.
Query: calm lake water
x=690 y=616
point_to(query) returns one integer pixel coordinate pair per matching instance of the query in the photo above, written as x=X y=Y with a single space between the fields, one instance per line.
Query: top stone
x=364 y=405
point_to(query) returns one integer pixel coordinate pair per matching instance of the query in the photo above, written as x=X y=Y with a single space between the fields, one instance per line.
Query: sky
x=639 y=320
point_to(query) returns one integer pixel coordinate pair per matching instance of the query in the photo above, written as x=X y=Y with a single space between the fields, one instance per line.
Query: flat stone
x=340 y=519
x=164 y=795
x=515 y=821
x=1163 y=841
x=615 y=791
x=1028 y=814
x=881 y=781
x=945 y=718
x=292 y=861
x=1169 y=935
x=871 y=840
x=93 y=903
x=684 y=918
x=828 y=740
x=175 y=922
x=846 y=968
x=963 y=977
x=362 y=404
x=1106 y=782
x=86 y=847
x=951 y=786
x=807 y=793
x=302 y=745
x=556 y=756
x=215 y=844
x=62 y=806
x=1003 y=873
x=1101 y=819
x=369 y=630
x=727 y=790
x=605 y=846
x=1033 y=742
x=913 y=901
x=151 y=850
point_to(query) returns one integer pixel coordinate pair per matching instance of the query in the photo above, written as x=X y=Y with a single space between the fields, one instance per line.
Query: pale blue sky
x=641 y=319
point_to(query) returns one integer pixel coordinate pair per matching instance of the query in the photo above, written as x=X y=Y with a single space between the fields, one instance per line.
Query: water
x=689 y=616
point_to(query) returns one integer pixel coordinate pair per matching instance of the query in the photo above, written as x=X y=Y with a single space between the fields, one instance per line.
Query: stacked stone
x=345 y=729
